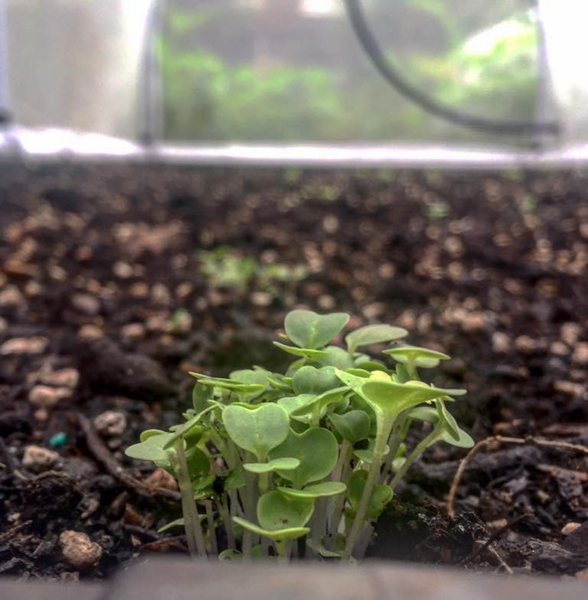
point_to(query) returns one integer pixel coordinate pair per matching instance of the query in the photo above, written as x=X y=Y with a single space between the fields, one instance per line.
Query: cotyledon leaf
x=308 y=329
x=258 y=429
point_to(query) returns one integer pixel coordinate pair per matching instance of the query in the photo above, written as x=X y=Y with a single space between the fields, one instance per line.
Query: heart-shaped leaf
x=451 y=433
x=203 y=484
x=292 y=403
x=370 y=365
x=367 y=454
x=200 y=396
x=145 y=435
x=297 y=364
x=234 y=556
x=257 y=430
x=198 y=462
x=464 y=439
x=280 y=535
x=229 y=384
x=251 y=377
x=235 y=479
x=319 y=404
x=309 y=380
x=256 y=375
x=316 y=449
x=284 y=464
x=176 y=523
x=419 y=357
x=280 y=383
x=428 y=414
x=352 y=426
x=388 y=398
x=381 y=494
x=308 y=329
x=337 y=357
x=353 y=378
x=277 y=511
x=193 y=436
x=449 y=423
x=322 y=551
x=230 y=555
x=153 y=448
x=373 y=334
x=343 y=405
x=303 y=352
x=185 y=429
x=318 y=490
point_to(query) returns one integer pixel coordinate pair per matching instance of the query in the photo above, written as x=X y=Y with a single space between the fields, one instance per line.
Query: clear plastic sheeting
x=294 y=71
x=565 y=25
x=287 y=81
x=76 y=63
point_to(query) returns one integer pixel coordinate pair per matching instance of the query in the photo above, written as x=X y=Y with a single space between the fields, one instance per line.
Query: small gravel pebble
x=133 y=331
x=570 y=528
x=45 y=396
x=63 y=378
x=527 y=345
x=570 y=333
x=110 y=423
x=160 y=478
x=570 y=388
x=38 y=458
x=87 y=304
x=580 y=355
x=122 y=270
x=90 y=332
x=10 y=296
x=29 y=345
x=501 y=342
x=261 y=298
x=79 y=550
x=559 y=349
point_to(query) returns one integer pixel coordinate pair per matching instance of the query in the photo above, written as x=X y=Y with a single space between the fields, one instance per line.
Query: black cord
x=391 y=75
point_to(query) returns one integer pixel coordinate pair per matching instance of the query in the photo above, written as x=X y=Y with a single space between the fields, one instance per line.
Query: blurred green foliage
x=226 y=267
x=492 y=73
x=496 y=67
x=209 y=100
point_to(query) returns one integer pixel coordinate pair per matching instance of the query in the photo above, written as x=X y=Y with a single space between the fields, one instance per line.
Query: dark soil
x=96 y=261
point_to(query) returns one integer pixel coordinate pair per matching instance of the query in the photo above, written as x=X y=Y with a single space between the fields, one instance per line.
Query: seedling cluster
x=302 y=463
x=223 y=267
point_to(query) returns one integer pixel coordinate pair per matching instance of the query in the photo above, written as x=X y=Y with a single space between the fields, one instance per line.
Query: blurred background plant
x=290 y=70
x=226 y=267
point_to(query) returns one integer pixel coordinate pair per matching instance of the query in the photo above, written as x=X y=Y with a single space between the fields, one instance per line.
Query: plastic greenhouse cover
x=286 y=81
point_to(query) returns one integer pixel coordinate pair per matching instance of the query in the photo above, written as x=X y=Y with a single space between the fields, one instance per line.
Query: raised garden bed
x=106 y=303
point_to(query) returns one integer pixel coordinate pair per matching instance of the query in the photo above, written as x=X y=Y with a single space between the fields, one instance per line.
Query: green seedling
x=263 y=459
x=257 y=429
x=224 y=267
x=373 y=334
x=303 y=352
x=317 y=451
x=281 y=518
x=413 y=357
x=308 y=329
x=319 y=490
x=273 y=466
